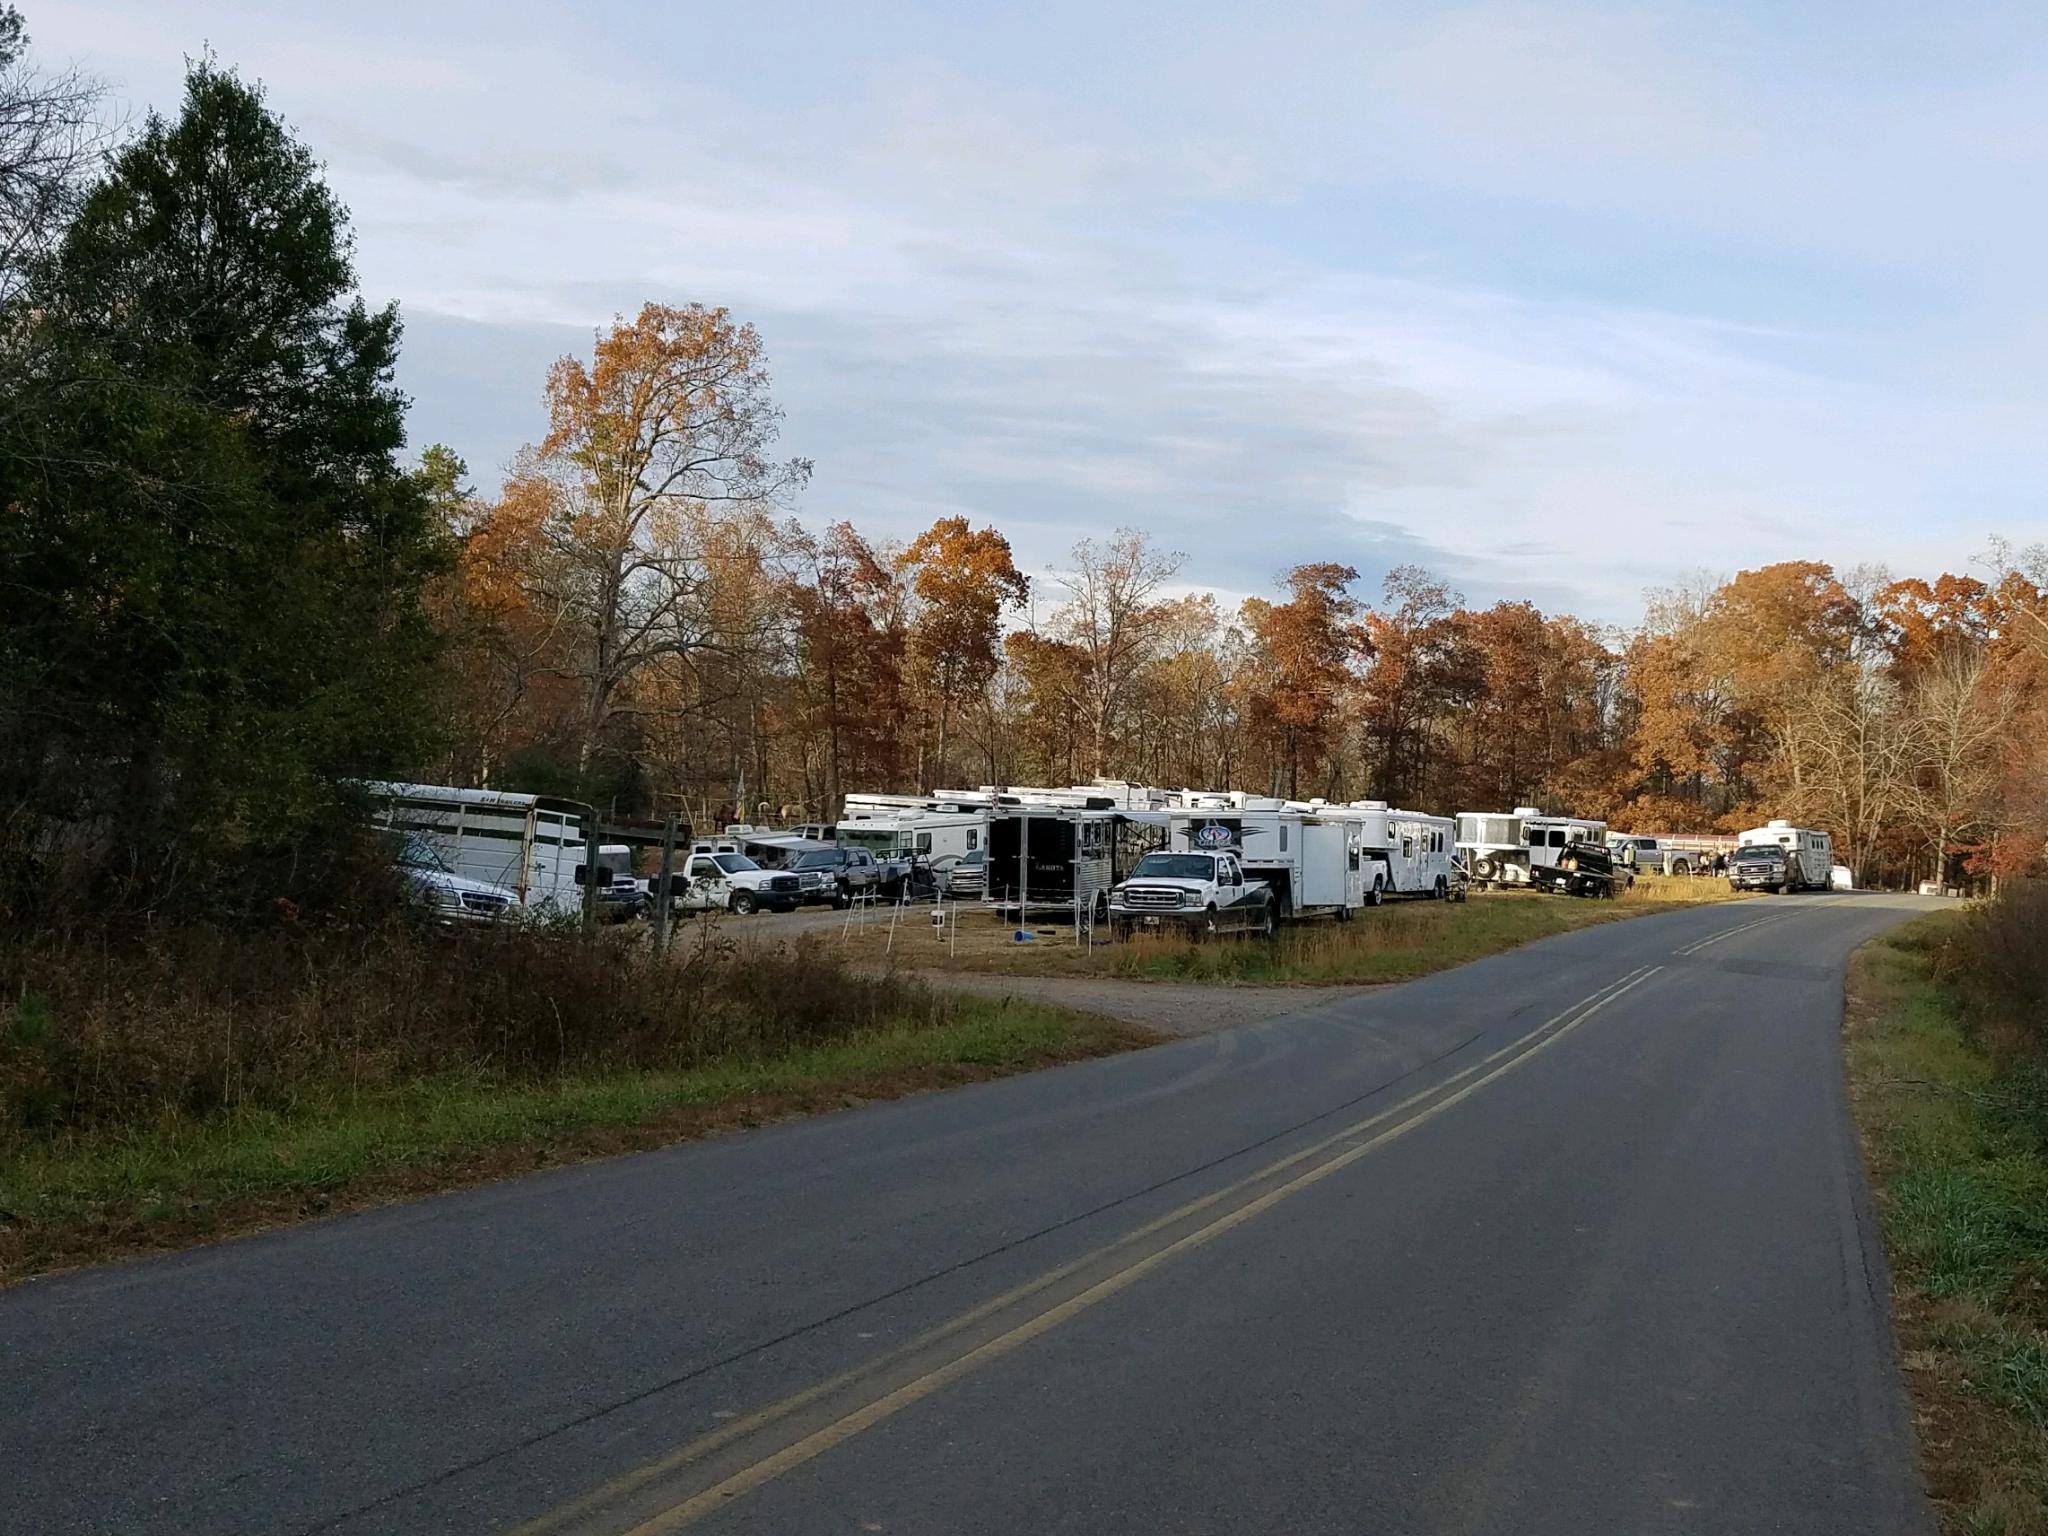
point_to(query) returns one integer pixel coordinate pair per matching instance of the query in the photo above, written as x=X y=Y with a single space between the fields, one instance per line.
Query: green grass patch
x=1952 y=1124
x=184 y=1177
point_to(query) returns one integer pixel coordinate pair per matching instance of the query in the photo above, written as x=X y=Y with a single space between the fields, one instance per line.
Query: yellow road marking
x=707 y=1444
x=868 y=1415
x=1729 y=933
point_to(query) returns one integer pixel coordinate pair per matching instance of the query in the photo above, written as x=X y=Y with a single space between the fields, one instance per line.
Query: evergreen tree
x=213 y=560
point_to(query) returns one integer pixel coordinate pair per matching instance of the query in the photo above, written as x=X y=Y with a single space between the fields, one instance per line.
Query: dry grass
x=1397 y=942
x=177 y=1086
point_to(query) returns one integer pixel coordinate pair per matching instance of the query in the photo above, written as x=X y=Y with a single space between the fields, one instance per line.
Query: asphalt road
x=1574 y=1240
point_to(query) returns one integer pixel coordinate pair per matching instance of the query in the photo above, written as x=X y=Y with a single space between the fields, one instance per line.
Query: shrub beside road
x=195 y=1084
x=1947 y=1029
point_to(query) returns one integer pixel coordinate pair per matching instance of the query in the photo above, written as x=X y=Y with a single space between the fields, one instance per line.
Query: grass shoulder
x=180 y=1179
x=1398 y=942
x=1953 y=1114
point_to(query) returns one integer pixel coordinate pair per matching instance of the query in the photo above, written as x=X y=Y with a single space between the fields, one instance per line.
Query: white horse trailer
x=1311 y=863
x=1407 y=853
x=1809 y=854
x=1500 y=848
x=531 y=845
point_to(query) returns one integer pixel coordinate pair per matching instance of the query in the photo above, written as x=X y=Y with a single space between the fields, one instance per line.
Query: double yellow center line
x=648 y=1502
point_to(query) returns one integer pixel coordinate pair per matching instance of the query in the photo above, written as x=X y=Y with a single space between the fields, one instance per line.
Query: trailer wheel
x=742 y=902
x=1377 y=895
x=1443 y=888
x=1343 y=914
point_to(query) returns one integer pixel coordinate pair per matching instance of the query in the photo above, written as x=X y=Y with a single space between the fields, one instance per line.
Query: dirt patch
x=1170 y=1007
x=125 y=1234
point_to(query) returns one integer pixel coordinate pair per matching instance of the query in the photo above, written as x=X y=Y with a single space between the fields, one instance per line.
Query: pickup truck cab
x=1202 y=893
x=732 y=882
x=837 y=875
x=1760 y=867
x=1582 y=869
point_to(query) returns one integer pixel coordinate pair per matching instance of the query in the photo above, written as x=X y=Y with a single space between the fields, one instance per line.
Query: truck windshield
x=823 y=859
x=1175 y=866
x=734 y=863
x=1757 y=855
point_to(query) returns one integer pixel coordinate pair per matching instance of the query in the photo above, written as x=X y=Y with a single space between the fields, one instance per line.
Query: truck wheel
x=743 y=902
x=1123 y=929
x=1101 y=909
x=841 y=900
x=1269 y=925
x=1209 y=928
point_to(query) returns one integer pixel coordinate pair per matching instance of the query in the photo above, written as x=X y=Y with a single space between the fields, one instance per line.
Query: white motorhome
x=1309 y=863
x=924 y=835
x=530 y=845
x=1809 y=854
x=1499 y=848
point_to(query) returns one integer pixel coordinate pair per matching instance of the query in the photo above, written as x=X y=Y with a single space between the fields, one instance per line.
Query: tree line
x=228 y=594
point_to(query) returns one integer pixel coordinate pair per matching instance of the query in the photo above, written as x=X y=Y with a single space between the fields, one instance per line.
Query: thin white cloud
x=1066 y=288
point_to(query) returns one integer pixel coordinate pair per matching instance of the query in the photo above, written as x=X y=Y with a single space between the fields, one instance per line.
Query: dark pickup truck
x=1760 y=868
x=839 y=875
x=1582 y=869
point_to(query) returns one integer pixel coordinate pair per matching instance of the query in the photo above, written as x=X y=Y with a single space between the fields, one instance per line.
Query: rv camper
x=530 y=845
x=922 y=835
x=1809 y=855
x=1501 y=848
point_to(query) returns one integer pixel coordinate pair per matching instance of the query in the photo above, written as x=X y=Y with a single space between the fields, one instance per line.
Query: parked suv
x=449 y=897
x=1583 y=869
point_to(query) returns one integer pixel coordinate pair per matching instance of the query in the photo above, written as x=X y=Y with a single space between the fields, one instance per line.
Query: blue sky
x=1560 y=300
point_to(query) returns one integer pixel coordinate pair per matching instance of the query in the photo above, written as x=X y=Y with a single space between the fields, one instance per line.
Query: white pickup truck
x=1203 y=893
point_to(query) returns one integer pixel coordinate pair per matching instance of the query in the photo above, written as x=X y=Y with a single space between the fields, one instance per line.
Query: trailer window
x=973 y=838
x=1557 y=837
x=924 y=842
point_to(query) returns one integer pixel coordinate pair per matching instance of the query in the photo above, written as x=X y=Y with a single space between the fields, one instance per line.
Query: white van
x=1809 y=854
x=530 y=845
